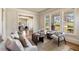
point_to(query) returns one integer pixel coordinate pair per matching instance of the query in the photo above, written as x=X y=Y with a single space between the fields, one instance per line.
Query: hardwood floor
x=73 y=46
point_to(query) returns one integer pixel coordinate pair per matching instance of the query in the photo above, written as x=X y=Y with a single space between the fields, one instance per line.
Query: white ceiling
x=35 y=9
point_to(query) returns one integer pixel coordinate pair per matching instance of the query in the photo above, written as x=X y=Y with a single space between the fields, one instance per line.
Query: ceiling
x=35 y=9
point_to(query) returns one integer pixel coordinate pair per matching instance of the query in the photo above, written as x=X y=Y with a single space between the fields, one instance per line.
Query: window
x=47 y=22
x=57 y=22
x=69 y=22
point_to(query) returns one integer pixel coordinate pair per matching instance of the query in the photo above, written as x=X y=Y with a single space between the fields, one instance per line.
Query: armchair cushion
x=54 y=37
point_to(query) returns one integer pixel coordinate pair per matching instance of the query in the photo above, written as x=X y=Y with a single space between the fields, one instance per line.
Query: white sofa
x=29 y=48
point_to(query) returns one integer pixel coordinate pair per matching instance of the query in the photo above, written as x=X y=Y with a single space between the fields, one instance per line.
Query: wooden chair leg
x=58 y=41
x=64 y=40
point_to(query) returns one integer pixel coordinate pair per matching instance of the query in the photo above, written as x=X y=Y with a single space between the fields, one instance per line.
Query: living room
x=63 y=21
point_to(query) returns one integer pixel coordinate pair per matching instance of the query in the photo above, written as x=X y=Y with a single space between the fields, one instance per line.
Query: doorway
x=26 y=21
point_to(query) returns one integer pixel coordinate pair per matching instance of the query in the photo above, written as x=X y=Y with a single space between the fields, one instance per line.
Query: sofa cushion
x=19 y=45
x=23 y=41
x=11 y=45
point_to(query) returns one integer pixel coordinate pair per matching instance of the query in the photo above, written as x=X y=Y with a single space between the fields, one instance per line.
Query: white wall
x=36 y=23
x=11 y=18
x=77 y=22
x=0 y=21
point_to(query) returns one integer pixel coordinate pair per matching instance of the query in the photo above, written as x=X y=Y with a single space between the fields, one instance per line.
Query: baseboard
x=73 y=46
